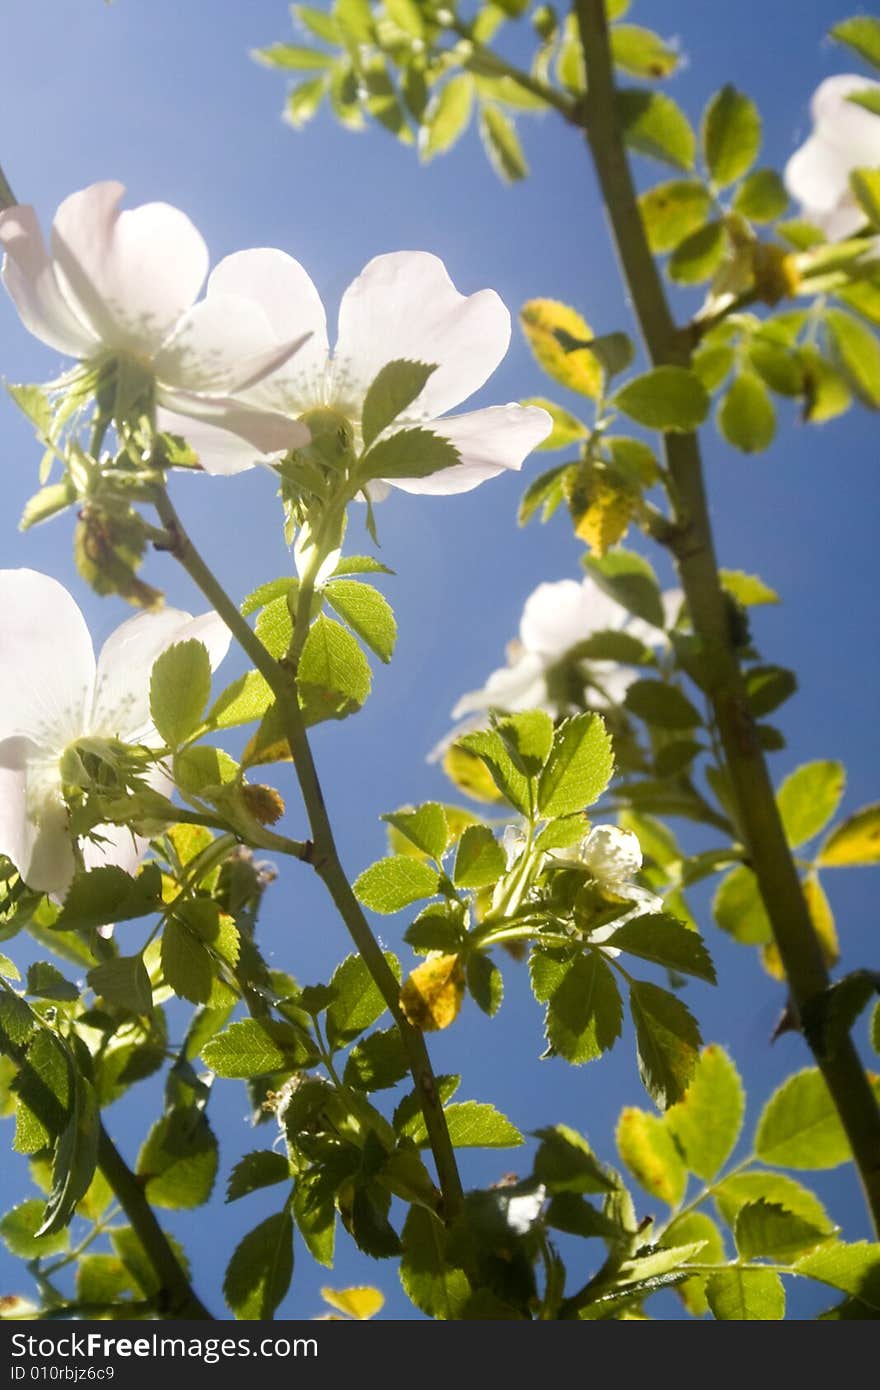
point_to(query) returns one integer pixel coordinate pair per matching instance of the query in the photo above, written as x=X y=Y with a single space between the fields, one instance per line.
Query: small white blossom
x=54 y=694
x=845 y=137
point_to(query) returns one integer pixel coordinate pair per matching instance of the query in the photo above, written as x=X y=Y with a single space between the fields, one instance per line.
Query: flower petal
x=222 y=344
x=292 y=305
x=42 y=853
x=840 y=122
x=228 y=436
x=404 y=305
x=557 y=616
x=518 y=686
x=817 y=178
x=46 y=658
x=488 y=442
x=129 y=275
x=116 y=845
x=30 y=280
x=121 y=706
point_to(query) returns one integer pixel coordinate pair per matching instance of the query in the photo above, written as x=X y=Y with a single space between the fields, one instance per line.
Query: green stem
x=322 y=852
x=693 y=549
x=176 y=1298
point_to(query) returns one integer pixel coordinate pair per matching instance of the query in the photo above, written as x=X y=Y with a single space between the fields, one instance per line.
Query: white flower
x=845 y=137
x=557 y=617
x=303 y=547
x=124 y=284
x=52 y=695
x=402 y=305
x=524 y=1208
x=613 y=857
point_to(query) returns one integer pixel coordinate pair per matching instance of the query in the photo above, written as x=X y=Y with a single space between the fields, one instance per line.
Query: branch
x=694 y=551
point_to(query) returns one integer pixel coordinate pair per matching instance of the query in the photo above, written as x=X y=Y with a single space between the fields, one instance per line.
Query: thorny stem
x=694 y=552
x=321 y=852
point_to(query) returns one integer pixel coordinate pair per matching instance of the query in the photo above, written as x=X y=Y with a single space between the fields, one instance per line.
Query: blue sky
x=164 y=97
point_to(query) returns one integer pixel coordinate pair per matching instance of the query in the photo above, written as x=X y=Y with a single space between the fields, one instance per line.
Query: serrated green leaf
x=259 y=1273
x=480 y=860
x=667 y=398
x=430 y=1279
x=274 y=625
x=653 y=125
x=485 y=982
x=739 y=910
x=334 y=676
x=490 y=748
x=394 y=388
x=108 y=894
x=733 y=1193
x=395 y=882
x=250 y=1048
x=18 y=1230
x=76 y=1155
x=246 y=699
x=661 y=705
x=731 y=135
x=668 y=1042
x=262 y=1168
x=357 y=1001
x=707 y=1121
x=367 y=612
x=409 y=453
x=808 y=798
x=649 y=1151
x=44 y=981
x=747 y=589
x=766 y=1230
x=477 y=1125
x=800 y=1127
x=630 y=580
x=746 y=1295
x=853 y=1268
x=578 y=768
x=425 y=827
x=746 y=417
x=124 y=982
x=376 y=1063
x=180 y=686
x=186 y=963
x=584 y=1010
x=178 y=1161
x=661 y=938
x=314 y=1212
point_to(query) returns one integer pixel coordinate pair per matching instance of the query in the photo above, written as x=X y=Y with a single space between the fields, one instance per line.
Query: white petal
x=46 y=658
x=228 y=436
x=129 y=275
x=404 y=305
x=516 y=687
x=817 y=178
x=488 y=441
x=842 y=123
x=671 y=601
x=42 y=852
x=122 y=689
x=611 y=683
x=285 y=293
x=117 y=845
x=221 y=345
x=29 y=278
x=558 y=616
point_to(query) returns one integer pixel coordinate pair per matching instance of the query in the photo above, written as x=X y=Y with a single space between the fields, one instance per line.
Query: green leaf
x=667 y=398
x=808 y=798
x=579 y=767
x=274 y=625
x=18 y=1231
x=317 y=22
x=409 y=453
x=661 y=938
x=314 y=1212
x=672 y=211
x=425 y=827
x=706 y=1122
x=630 y=580
x=501 y=143
x=566 y=427
x=654 y=125
x=641 y=52
x=767 y=687
x=861 y=33
x=186 y=963
x=244 y=700
x=178 y=1161
x=334 y=676
x=800 y=1127
x=180 y=686
x=868 y=99
x=766 y=1230
x=251 y=1048
x=739 y=910
x=668 y=1042
x=367 y=612
x=123 y=982
x=376 y=1063
x=734 y=1192
x=291 y=55
x=33 y=402
x=265 y=593
x=690 y=1228
x=731 y=134
x=857 y=354
x=528 y=738
x=480 y=860
x=76 y=1155
x=648 y=1149
x=490 y=748
x=259 y=1273
x=477 y=1125
x=747 y=589
x=395 y=882
x=761 y=197
x=447 y=117
x=855 y=841
x=407 y=15
x=565 y=1162
x=746 y=417
x=661 y=705
x=746 y=1295
x=853 y=1268
x=698 y=256
x=395 y=387
x=108 y=894
x=584 y=1010
x=431 y=1281
x=485 y=982
x=262 y=1168
x=865 y=184
x=356 y=1001
x=45 y=982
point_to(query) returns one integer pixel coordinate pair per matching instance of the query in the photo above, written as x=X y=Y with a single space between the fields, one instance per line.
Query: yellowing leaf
x=541 y=319
x=823 y=923
x=470 y=774
x=649 y=1151
x=361 y=1302
x=431 y=997
x=264 y=803
x=855 y=841
x=600 y=507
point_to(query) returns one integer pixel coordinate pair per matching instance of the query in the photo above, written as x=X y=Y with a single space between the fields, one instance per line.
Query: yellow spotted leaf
x=361 y=1302
x=470 y=774
x=823 y=921
x=264 y=803
x=600 y=508
x=541 y=319
x=431 y=997
x=649 y=1151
